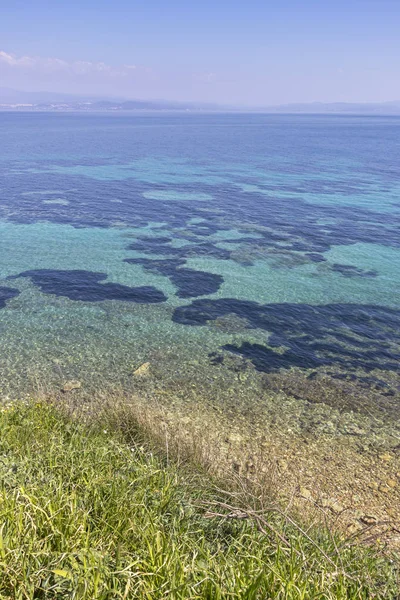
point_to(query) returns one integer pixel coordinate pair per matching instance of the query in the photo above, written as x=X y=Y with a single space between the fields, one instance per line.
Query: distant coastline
x=62 y=109
x=25 y=101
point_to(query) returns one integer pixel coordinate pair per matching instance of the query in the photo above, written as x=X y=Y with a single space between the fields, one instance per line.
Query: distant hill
x=21 y=100
x=360 y=108
x=10 y=96
x=55 y=101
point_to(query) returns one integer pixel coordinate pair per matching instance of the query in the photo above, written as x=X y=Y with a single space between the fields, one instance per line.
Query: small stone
x=373 y=485
x=369 y=519
x=142 y=370
x=235 y=438
x=332 y=504
x=353 y=528
x=250 y=467
x=384 y=489
x=386 y=457
x=305 y=493
x=71 y=385
x=353 y=429
x=391 y=483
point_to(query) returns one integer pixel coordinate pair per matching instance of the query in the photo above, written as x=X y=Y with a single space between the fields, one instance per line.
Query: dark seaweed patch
x=351 y=271
x=190 y=283
x=351 y=335
x=204 y=249
x=289 y=224
x=242 y=240
x=310 y=228
x=155 y=240
x=149 y=246
x=86 y=286
x=6 y=294
x=315 y=257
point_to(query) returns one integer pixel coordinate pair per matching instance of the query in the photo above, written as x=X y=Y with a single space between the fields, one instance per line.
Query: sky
x=231 y=52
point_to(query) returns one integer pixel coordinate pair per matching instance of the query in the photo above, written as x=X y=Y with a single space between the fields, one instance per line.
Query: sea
x=244 y=259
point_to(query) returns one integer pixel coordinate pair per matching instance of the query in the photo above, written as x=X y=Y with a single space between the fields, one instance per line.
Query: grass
x=86 y=515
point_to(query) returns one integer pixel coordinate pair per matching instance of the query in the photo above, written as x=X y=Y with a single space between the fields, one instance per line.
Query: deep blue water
x=195 y=238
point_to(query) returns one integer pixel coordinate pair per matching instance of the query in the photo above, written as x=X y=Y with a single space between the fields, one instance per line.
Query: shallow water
x=208 y=245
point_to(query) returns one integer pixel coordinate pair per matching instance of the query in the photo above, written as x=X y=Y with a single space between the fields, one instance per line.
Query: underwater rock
x=354 y=429
x=373 y=485
x=7 y=293
x=142 y=370
x=73 y=384
x=385 y=457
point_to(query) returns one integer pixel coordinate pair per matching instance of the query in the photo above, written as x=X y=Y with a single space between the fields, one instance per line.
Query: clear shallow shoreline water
x=226 y=250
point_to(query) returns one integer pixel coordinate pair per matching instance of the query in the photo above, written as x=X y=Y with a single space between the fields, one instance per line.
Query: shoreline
x=353 y=478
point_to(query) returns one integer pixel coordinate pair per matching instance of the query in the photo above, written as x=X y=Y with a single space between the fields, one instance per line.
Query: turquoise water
x=191 y=241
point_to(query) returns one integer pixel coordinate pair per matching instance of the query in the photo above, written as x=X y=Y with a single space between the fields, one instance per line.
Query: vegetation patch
x=89 y=511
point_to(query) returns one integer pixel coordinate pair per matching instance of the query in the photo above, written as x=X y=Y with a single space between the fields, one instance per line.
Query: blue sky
x=241 y=53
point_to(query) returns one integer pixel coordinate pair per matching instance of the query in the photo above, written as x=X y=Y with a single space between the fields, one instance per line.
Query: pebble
x=369 y=519
x=391 y=483
x=250 y=467
x=353 y=528
x=353 y=429
x=71 y=385
x=142 y=370
x=384 y=489
x=386 y=457
x=306 y=493
x=235 y=438
x=332 y=504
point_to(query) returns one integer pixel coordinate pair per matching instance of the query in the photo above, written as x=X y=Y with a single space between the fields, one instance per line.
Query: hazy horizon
x=258 y=54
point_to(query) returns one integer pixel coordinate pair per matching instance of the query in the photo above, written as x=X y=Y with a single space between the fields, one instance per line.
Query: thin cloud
x=77 y=67
x=13 y=61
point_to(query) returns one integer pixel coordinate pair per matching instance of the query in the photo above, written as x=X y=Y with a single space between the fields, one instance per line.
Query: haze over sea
x=239 y=254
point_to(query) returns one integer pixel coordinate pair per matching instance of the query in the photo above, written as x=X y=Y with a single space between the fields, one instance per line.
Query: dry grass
x=87 y=515
x=226 y=453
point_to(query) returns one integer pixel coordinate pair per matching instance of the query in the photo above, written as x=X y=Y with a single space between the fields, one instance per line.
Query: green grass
x=83 y=515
